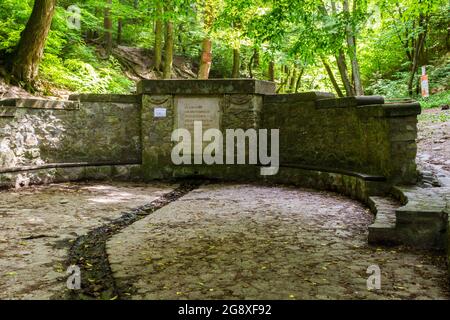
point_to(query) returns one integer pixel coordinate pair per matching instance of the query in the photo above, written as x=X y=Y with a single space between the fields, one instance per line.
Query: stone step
x=422 y=221
x=383 y=230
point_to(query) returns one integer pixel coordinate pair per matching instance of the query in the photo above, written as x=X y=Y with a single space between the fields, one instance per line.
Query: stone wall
x=89 y=130
x=361 y=135
x=239 y=106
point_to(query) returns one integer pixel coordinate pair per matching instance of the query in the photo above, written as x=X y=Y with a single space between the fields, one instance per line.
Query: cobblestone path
x=255 y=242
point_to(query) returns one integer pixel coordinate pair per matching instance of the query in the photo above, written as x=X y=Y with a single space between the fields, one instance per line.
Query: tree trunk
x=271 y=71
x=351 y=43
x=168 y=51
x=236 y=63
x=119 y=30
x=256 y=55
x=159 y=36
x=293 y=80
x=29 y=52
x=343 y=71
x=287 y=81
x=206 y=57
x=419 y=44
x=332 y=77
x=284 y=80
x=254 y=62
x=108 y=25
x=299 y=79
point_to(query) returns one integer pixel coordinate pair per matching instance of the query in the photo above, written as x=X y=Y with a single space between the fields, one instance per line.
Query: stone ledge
x=37 y=176
x=360 y=175
x=351 y=185
x=402 y=109
x=297 y=97
x=40 y=104
x=63 y=165
x=206 y=87
x=350 y=102
x=383 y=231
x=115 y=98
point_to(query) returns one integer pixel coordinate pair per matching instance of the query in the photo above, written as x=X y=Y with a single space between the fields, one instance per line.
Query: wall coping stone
x=40 y=104
x=298 y=97
x=115 y=98
x=206 y=87
x=402 y=109
x=349 y=102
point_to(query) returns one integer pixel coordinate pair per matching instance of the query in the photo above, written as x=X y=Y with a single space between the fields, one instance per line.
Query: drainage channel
x=88 y=252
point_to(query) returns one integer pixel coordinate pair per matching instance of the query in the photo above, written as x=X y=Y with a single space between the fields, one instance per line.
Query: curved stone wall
x=361 y=135
x=321 y=138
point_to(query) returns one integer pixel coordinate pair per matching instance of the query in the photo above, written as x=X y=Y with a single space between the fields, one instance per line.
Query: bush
x=80 y=76
x=435 y=100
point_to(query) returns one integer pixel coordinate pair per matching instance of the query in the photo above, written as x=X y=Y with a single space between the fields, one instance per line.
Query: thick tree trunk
x=271 y=71
x=108 y=26
x=168 y=51
x=343 y=71
x=332 y=77
x=351 y=43
x=236 y=63
x=159 y=37
x=29 y=52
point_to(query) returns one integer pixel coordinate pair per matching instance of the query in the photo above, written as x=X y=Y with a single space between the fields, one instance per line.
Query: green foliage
x=79 y=76
x=13 y=16
x=436 y=100
x=394 y=87
x=293 y=34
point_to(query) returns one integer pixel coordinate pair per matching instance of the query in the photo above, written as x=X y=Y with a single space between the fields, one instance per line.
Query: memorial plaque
x=204 y=109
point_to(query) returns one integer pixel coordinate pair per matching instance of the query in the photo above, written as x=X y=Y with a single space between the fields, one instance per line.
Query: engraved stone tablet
x=204 y=109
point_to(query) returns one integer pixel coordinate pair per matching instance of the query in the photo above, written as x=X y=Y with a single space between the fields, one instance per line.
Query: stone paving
x=257 y=242
x=37 y=225
x=433 y=145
